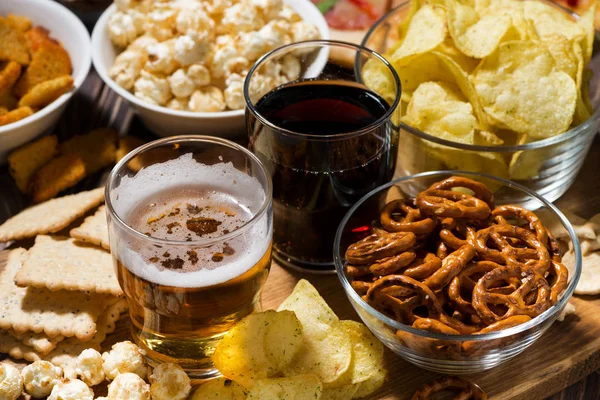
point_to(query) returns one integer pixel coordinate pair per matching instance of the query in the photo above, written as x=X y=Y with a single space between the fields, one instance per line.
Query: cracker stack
x=61 y=295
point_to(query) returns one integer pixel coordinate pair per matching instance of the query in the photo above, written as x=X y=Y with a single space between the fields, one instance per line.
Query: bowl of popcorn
x=182 y=64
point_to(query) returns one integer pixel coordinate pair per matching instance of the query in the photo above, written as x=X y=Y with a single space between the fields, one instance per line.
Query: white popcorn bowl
x=164 y=121
x=72 y=34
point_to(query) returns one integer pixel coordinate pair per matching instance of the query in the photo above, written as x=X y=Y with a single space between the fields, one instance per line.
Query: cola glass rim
x=323 y=44
x=175 y=140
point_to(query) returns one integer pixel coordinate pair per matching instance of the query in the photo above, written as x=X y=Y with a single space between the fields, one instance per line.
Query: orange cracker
x=48 y=62
x=9 y=75
x=58 y=263
x=96 y=148
x=40 y=342
x=18 y=22
x=26 y=160
x=35 y=37
x=15 y=115
x=3 y=110
x=59 y=174
x=8 y=100
x=13 y=45
x=46 y=92
x=93 y=230
x=64 y=313
x=51 y=216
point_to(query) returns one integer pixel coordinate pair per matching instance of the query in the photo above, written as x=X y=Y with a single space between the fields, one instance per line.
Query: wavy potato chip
x=425 y=32
x=520 y=89
x=523 y=29
x=220 y=389
x=587 y=24
x=466 y=63
x=423 y=68
x=476 y=36
x=300 y=387
x=367 y=352
x=343 y=392
x=247 y=352
x=548 y=20
x=371 y=385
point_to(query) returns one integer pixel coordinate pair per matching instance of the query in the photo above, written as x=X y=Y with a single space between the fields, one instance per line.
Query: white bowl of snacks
x=43 y=46
x=181 y=65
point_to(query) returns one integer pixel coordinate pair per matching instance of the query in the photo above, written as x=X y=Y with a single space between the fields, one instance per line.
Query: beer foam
x=225 y=182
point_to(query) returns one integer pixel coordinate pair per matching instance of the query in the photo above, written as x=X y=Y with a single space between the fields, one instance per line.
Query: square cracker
x=41 y=343
x=62 y=313
x=48 y=62
x=65 y=353
x=93 y=230
x=14 y=45
x=58 y=263
x=51 y=216
x=24 y=161
x=96 y=148
x=59 y=174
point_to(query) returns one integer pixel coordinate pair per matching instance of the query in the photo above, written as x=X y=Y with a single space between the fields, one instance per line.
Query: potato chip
x=327 y=356
x=467 y=160
x=48 y=62
x=466 y=63
x=96 y=148
x=26 y=160
x=586 y=24
x=59 y=174
x=548 y=20
x=15 y=115
x=299 y=387
x=371 y=385
x=423 y=68
x=9 y=75
x=485 y=138
x=343 y=392
x=246 y=353
x=426 y=31
x=520 y=89
x=514 y=9
x=220 y=389
x=526 y=165
x=18 y=22
x=379 y=78
x=476 y=36
x=367 y=352
x=46 y=92
x=13 y=47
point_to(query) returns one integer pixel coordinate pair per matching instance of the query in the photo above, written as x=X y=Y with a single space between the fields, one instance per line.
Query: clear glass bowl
x=548 y=166
x=449 y=354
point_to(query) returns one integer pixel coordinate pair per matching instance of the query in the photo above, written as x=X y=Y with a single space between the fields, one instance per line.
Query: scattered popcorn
x=207 y=99
x=128 y=386
x=40 y=377
x=181 y=53
x=169 y=382
x=152 y=88
x=11 y=383
x=71 y=390
x=121 y=29
x=89 y=367
x=127 y=68
x=124 y=357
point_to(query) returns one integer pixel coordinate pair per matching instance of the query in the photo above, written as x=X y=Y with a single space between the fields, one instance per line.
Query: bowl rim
x=99 y=33
x=560 y=138
x=551 y=312
x=85 y=53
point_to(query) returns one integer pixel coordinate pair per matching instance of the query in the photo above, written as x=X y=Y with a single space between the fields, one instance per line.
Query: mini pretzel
x=357 y=271
x=399 y=216
x=515 y=301
x=451 y=204
x=534 y=223
x=435 y=326
x=376 y=246
x=449 y=225
x=393 y=264
x=451 y=266
x=558 y=279
x=510 y=322
x=509 y=255
x=361 y=287
x=465 y=390
x=423 y=267
x=481 y=191
x=442 y=250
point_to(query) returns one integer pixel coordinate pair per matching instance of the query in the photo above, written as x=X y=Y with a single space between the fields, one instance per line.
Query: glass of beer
x=190 y=227
x=324 y=117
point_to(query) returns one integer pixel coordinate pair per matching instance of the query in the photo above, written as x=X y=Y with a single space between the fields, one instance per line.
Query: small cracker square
x=9 y=75
x=40 y=342
x=96 y=148
x=46 y=92
x=93 y=230
x=15 y=115
x=48 y=62
x=51 y=216
x=18 y=22
x=57 y=175
x=37 y=36
x=58 y=263
x=26 y=160
x=14 y=47
x=64 y=313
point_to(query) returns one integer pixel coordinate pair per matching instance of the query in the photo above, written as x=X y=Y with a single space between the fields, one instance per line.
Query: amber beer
x=192 y=256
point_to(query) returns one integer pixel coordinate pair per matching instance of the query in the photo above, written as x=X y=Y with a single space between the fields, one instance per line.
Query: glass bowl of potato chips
x=499 y=87
x=446 y=330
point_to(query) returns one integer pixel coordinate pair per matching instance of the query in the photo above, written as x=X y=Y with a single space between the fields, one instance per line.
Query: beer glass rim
x=188 y=138
x=322 y=43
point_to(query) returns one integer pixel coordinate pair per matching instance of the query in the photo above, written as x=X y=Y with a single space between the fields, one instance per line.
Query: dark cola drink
x=326 y=143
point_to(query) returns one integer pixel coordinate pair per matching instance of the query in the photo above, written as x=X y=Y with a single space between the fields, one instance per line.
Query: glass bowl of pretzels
x=451 y=276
